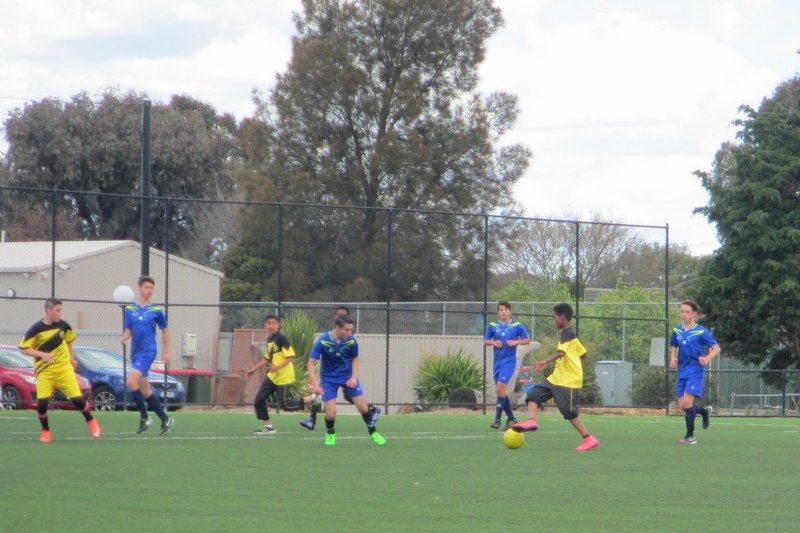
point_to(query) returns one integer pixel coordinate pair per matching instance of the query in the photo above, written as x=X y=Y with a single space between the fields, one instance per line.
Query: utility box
x=615 y=379
x=188 y=349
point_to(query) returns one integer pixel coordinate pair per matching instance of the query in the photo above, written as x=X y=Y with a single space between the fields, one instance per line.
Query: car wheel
x=103 y=399
x=11 y=398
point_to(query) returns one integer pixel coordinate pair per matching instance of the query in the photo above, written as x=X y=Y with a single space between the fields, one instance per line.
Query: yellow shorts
x=60 y=376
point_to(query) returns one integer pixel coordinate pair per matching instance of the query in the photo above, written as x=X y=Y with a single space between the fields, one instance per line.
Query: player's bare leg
x=530 y=424
x=588 y=441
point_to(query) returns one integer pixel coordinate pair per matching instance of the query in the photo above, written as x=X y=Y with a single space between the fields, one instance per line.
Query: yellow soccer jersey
x=278 y=350
x=569 y=370
x=51 y=338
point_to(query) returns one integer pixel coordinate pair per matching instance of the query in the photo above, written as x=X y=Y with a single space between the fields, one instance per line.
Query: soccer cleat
x=495 y=424
x=308 y=424
x=510 y=422
x=265 y=430
x=94 y=428
x=688 y=440
x=166 y=424
x=377 y=439
x=528 y=425
x=706 y=414
x=44 y=436
x=587 y=444
x=376 y=412
x=144 y=423
x=330 y=439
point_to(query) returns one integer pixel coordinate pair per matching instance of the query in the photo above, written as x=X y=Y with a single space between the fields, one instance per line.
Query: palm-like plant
x=439 y=375
x=301 y=330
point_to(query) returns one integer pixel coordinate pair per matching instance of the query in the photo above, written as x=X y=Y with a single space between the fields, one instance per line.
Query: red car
x=18 y=382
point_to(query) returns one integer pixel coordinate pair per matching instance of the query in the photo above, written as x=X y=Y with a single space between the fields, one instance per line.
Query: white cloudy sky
x=621 y=99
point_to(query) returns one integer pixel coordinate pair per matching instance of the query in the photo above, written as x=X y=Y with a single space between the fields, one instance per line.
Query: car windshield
x=14 y=359
x=95 y=359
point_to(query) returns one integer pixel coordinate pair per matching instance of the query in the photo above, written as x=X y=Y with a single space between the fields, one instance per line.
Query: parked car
x=18 y=382
x=104 y=370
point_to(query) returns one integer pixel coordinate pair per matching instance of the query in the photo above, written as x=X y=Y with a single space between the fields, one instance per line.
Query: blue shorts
x=142 y=362
x=504 y=370
x=693 y=386
x=330 y=390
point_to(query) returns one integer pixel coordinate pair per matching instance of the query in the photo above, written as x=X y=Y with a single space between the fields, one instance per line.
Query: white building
x=85 y=273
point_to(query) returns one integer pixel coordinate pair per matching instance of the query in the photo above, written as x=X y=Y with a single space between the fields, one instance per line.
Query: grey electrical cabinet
x=615 y=379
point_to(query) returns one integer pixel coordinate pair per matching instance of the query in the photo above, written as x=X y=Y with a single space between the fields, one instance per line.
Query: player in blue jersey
x=314 y=402
x=692 y=347
x=504 y=335
x=337 y=353
x=141 y=320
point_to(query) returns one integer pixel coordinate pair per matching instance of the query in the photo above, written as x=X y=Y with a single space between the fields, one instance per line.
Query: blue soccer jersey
x=336 y=358
x=142 y=321
x=512 y=329
x=691 y=344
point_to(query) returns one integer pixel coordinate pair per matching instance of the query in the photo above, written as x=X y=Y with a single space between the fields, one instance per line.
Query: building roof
x=36 y=256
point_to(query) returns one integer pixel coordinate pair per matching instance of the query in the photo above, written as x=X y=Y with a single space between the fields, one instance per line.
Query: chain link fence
x=423 y=283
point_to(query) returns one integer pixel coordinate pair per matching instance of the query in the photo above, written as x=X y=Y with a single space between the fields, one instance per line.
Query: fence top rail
x=747 y=371
x=328 y=206
x=765 y=395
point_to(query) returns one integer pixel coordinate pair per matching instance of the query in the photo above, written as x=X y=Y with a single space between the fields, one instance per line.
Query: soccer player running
x=337 y=353
x=314 y=401
x=49 y=342
x=692 y=347
x=564 y=383
x=278 y=358
x=504 y=335
x=140 y=323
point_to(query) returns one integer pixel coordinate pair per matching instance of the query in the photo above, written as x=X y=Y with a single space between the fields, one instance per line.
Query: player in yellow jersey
x=280 y=376
x=564 y=383
x=49 y=342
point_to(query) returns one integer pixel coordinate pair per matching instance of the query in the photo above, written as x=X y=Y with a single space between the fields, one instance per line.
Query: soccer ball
x=513 y=439
x=124 y=295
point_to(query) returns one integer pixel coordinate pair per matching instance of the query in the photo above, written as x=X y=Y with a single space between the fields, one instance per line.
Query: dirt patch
x=636 y=411
x=411 y=409
x=620 y=411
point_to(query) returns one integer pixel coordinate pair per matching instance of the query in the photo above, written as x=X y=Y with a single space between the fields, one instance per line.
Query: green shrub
x=301 y=330
x=648 y=387
x=590 y=393
x=439 y=375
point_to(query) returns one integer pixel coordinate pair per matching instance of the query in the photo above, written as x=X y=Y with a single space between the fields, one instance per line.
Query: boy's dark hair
x=504 y=304
x=52 y=302
x=341 y=320
x=563 y=309
x=272 y=316
x=342 y=308
x=145 y=279
x=691 y=304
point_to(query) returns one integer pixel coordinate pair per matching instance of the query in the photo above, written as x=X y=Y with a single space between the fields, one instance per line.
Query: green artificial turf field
x=438 y=472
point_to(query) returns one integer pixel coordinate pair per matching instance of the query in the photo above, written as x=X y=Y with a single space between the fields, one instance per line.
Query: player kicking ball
x=563 y=384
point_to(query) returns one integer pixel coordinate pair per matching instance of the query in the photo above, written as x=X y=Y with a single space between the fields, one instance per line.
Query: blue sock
x=507 y=407
x=138 y=398
x=499 y=408
x=155 y=405
x=690 y=415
